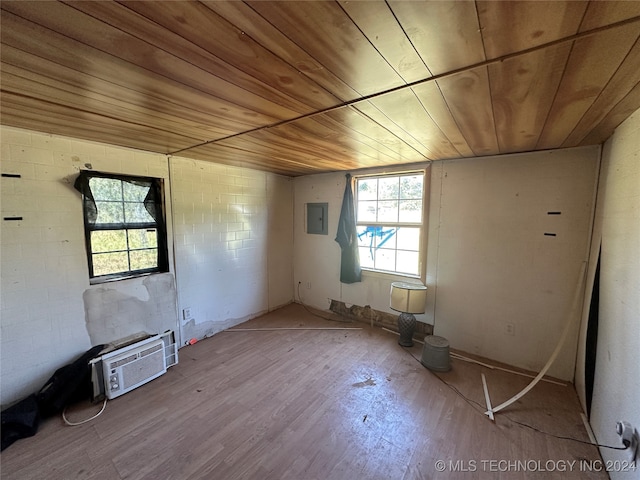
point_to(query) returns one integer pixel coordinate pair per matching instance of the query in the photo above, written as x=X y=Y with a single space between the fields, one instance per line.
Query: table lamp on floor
x=407 y=298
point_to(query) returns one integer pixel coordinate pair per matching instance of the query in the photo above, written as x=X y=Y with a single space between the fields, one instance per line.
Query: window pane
x=368 y=189
x=143 y=238
x=365 y=236
x=408 y=262
x=388 y=188
x=411 y=211
x=385 y=260
x=385 y=237
x=106 y=263
x=134 y=193
x=409 y=238
x=137 y=213
x=411 y=186
x=106 y=188
x=142 y=259
x=108 y=240
x=388 y=211
x=109 y=212
x=366 y=257
x=367 y=211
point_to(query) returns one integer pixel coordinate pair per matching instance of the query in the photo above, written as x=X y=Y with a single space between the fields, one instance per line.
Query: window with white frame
x=124 y=225
x=389 y=218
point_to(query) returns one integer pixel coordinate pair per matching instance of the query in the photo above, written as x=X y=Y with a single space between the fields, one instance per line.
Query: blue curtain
x=347 y=237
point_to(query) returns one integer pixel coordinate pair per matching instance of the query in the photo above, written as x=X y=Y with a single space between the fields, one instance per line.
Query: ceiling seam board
x=427 y=80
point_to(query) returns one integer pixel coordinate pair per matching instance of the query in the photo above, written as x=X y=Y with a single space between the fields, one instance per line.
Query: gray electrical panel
x=318 y=218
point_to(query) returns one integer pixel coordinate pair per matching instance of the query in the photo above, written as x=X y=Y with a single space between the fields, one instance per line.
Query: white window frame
x=420 y=225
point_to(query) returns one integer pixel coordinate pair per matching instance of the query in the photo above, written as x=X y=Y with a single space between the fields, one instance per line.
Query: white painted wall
x=616 y=392
x=279 y=240
x=226 y=253
x=488 y=261
x=317 y=257
x=494 y=266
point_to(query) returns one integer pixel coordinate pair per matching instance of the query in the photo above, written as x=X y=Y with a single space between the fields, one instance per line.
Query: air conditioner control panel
x=114 y=382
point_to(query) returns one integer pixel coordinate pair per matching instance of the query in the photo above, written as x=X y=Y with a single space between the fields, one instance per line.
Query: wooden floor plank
x=309 y=404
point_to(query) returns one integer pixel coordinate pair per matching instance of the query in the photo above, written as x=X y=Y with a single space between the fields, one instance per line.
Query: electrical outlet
x=186 y=313
x=630 y=438
x=308 y=285
x=509 y=329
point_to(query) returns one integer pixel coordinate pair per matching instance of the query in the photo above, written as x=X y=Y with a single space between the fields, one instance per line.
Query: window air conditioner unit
x=130 y=367
x=131 y=362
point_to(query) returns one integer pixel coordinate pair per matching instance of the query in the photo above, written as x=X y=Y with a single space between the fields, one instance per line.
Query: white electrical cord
x=475 y=404
x=575 y=305
x=73 y=424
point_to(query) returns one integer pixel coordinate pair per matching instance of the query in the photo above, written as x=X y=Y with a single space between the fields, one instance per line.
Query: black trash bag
x=69 y=384
x=20 y=421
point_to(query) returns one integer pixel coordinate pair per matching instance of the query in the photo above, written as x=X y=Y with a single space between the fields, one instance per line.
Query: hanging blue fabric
x=347 y=237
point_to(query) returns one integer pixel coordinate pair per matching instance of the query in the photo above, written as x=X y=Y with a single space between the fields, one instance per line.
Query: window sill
x=98 y=280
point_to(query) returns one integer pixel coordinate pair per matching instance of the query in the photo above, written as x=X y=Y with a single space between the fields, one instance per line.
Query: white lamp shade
x=408 y=297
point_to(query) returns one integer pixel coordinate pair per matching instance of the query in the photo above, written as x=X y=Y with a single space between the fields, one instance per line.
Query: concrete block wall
x=223 y=244
x=44 y=268
x=233 y=237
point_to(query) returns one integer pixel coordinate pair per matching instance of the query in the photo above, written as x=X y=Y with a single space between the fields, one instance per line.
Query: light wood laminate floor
x=312 y=404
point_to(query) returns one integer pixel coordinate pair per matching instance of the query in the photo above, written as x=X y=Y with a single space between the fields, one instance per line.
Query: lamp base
x=406 y=327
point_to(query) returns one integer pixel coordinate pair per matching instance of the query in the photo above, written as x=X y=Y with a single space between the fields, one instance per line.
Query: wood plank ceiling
x=316 y=86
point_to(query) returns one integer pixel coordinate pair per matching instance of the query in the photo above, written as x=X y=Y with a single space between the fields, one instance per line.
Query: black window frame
x=153 y=203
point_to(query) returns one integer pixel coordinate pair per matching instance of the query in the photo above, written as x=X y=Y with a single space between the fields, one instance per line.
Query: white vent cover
x=133 y=366
x=170 y=348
